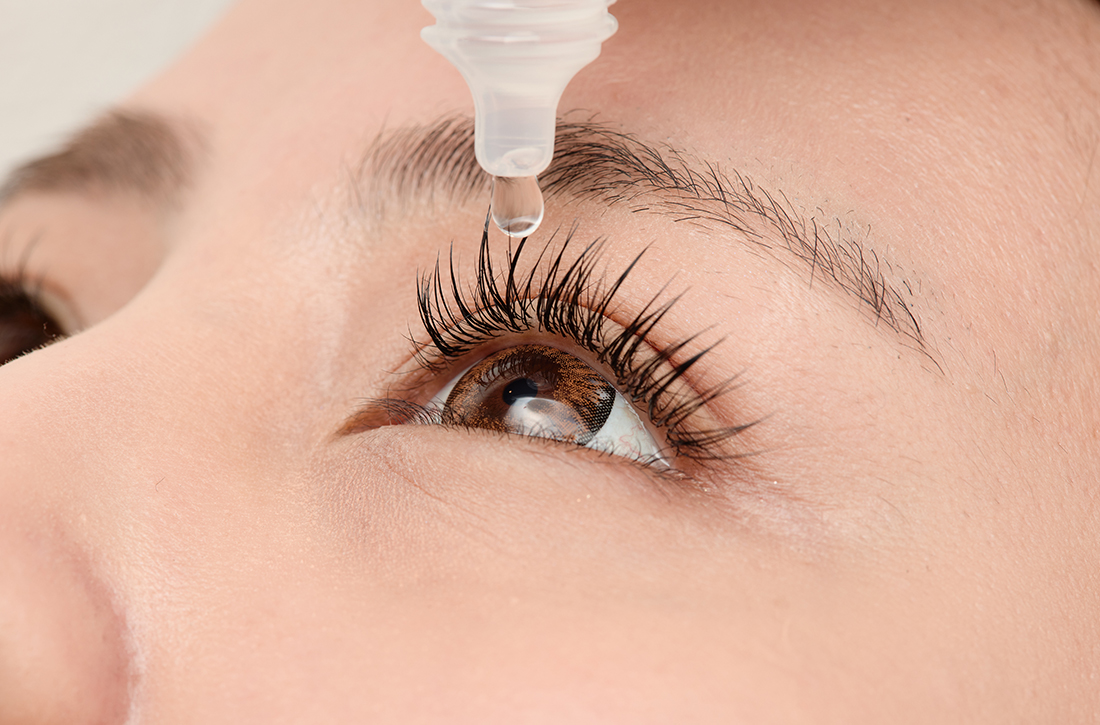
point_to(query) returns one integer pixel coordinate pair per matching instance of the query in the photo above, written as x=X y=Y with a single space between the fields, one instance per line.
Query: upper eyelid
x=57 y=303
x=438 y=306
x=445 y=308
x=423 y=378
x=51 y=299
x=34 y=280
x=434 y=365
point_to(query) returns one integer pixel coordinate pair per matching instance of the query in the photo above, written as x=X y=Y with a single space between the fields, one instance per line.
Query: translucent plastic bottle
x=517 y=56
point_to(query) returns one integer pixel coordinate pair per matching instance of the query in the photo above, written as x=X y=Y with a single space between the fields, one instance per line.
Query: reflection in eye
x=543 y=392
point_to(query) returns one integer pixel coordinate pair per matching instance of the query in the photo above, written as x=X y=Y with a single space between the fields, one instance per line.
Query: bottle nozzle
x=517 y=56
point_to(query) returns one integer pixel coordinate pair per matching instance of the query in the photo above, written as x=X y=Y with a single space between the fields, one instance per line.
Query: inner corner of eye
x=540 y=391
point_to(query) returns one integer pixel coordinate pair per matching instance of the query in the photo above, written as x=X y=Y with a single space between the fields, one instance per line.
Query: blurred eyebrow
x=136 y=153
x=595 y=162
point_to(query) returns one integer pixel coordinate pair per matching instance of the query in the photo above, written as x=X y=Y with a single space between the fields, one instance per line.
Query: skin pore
x=884 y=220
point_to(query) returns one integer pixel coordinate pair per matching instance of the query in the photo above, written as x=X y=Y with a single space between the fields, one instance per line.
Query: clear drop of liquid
x=517 y=204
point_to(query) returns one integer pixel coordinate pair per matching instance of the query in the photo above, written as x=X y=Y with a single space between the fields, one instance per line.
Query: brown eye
x=540 y=391
x=24 y=325
x=532 y=388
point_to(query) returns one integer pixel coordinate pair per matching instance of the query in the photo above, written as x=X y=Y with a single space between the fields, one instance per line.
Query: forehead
x=953 y=139
x=956 y=134
x=913 y=113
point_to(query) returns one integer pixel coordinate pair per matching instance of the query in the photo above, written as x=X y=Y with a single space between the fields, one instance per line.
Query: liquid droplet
x=517 y=204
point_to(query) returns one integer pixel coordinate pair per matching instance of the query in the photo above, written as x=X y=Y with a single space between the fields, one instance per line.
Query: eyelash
x=570 y=300
x=20 y=294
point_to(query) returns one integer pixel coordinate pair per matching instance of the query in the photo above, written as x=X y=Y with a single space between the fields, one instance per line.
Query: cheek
x=63 y=652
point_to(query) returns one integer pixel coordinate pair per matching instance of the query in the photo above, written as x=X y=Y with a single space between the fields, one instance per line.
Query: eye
x=24 y=324
x=543 y=392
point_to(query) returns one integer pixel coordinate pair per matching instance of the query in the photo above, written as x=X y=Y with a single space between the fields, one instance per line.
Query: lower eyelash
x=574 y=301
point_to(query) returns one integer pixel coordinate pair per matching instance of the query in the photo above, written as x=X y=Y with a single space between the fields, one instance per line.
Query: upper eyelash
x=21 y=293
x=572 y=300
x=17 y=285
x=16 y=281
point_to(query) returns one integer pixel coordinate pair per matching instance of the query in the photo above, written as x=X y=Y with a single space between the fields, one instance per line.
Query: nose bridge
x=92 y=429
x=152 y=463
x=114 y=450
x=65 y=649
x=93 y=423
x=70 y=408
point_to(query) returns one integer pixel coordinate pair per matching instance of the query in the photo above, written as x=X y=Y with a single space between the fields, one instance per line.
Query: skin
x=914 y=539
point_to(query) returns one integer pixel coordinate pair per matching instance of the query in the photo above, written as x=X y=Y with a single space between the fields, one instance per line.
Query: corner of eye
x=379 y=413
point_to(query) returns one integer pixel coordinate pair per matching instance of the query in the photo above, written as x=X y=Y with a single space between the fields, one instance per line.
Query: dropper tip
x=517 y=206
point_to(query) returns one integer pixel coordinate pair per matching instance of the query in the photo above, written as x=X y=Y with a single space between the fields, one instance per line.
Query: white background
x=64 y=61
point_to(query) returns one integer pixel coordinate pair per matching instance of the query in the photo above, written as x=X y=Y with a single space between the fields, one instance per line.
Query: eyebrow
x=146 y=155
x=596 y=162
x=131 y=152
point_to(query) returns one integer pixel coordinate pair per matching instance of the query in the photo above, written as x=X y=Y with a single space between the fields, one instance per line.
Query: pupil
x=521 y=388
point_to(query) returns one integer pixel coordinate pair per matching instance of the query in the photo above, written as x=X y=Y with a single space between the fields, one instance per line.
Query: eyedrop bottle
x=517 y=56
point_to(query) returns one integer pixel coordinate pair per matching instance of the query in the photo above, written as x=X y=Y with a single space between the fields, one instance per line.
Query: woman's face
x=872 y=500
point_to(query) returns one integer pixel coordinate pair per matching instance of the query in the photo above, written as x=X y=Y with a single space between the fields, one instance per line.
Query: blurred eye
x=543 y=392
x=24 y=325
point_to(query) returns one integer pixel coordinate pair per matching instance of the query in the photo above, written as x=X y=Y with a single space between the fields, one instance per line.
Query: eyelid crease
x=601 y=162
x=572 y=300
x=16 y=279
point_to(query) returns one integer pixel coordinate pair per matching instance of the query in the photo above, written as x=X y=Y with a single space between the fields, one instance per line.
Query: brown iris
x=532 y=390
